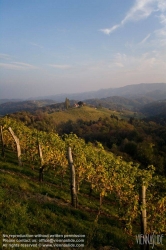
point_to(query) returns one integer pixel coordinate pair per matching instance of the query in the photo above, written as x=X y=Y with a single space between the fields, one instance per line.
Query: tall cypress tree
x=67 y=103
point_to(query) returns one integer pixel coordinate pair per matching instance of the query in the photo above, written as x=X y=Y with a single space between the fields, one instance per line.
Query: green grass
x=30 y=207
x=85 y=113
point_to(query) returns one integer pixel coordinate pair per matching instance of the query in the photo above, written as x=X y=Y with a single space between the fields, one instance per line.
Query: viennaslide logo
x=149 y=239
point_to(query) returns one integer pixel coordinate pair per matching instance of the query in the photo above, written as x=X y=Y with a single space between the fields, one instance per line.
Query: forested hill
x=156 y=91
x=130 y=97
x=120 y=103
x=155 y=111
x=154 y=108
x=9 y=100
x=16 y=106
x=114 y=103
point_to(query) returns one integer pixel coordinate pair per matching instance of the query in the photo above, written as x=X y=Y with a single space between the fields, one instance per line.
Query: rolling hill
x=154 y=108
x=131 y=97
x=156 y=91
x=16 y=106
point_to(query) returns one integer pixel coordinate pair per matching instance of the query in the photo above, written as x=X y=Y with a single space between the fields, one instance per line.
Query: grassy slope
x=88 y=113
x=85 y=113
x=30 y=207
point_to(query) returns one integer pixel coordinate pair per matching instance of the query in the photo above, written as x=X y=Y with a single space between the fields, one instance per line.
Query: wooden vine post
x=41 y=169
x=144 y=221
x=143 y=216
x=72 y=181
x=18 y=146
x=40 y=154
x=2 y=141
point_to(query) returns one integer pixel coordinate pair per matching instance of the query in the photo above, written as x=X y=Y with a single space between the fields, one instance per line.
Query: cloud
x=140 y=10
x=12 y=65
x=152 y=61
x=109 y=31
x=17 y=66
x=37 y=45
x=60 y=66
x=5 y=57
x=145 y=39
x=162 y=5
x=162 y=19
x=161 y=33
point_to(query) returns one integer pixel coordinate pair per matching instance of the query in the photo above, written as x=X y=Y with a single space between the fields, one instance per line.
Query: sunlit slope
x=85 y=113
x=30 y=207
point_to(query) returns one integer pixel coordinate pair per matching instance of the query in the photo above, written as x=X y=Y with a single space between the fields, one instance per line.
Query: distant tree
x=115 y=117
x=100 y=106
x=80 y=103
x=67 y=103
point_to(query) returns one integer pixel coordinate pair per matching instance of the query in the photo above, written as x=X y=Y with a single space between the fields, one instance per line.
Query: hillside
x=44 y=208
x=114 y=103
x=156 y=111
x=29 y=206
x=9 y=100
x=108 y=211
x=154 y=108
x=12 y=107
x=130 y=97
x=119 y=102
x=85 y=113
x=51 y=117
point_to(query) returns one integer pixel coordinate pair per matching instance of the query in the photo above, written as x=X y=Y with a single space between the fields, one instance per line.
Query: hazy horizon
x=56 y=47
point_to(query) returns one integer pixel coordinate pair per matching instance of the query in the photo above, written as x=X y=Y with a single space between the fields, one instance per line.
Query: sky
x=51 y=47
